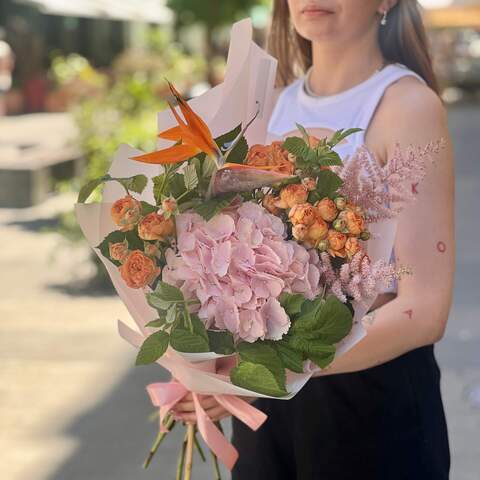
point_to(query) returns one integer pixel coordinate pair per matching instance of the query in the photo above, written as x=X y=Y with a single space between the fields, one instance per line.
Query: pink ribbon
x=166 y=395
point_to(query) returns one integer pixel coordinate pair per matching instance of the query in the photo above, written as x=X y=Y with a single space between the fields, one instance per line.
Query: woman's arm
x=425 y=237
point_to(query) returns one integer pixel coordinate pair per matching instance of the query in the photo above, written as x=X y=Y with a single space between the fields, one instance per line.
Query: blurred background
x=79 y=77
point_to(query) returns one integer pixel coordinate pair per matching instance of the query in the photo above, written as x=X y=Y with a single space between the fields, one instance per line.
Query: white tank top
x=351 y=108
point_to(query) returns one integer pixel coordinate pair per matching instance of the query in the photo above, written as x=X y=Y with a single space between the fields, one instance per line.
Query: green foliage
x=224 y=13
x=221 y=342
x=195 y=341
x=256 y=377
x=292 y=302
x=239 y=151
x=136 y=183
x=152 y=348
x=265 y=354
x=164 y=296
x=211 y=207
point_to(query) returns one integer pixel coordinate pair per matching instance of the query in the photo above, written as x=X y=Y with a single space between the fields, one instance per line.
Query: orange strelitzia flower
x=192 y=136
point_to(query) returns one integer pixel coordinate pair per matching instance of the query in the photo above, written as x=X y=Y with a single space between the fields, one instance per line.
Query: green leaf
x=341 y=134
x=296 y=146
x=239 y=152
x=291 y=302
x=89 y=187
x=265 y=354
x=291 y=359
x=164 y=296
x=304 y=133
x=211 y=207
x=152 y=348
x=329 y=159
x=328 y=321
x=208 y=167
x=147 y=208
x=335 y=320
x=190 y=177
x=322 y=359
x=137 y=183
x=328 y=184
x=224 y=140
x=221 y=342
x=184 y=340
x=159 y=322
x=171 y=314
x=257 y=378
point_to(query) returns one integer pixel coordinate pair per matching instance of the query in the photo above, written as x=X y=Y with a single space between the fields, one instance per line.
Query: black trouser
x=383 y=423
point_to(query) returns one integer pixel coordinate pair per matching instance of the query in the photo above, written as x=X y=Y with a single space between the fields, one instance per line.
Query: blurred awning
x=456 y=16
x=151 y=11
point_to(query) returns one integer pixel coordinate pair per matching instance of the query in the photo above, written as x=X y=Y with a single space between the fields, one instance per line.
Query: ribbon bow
x=166 y=394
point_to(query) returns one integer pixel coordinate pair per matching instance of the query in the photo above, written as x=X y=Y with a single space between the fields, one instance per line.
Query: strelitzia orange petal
x=174 y=154
x=174 y=133
x=199 y=129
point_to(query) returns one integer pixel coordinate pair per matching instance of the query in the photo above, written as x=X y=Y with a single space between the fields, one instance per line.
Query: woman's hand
x=184 y=410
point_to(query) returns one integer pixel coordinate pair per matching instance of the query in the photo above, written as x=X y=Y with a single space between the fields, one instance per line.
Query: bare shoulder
x=410 y=99
x=414 y=114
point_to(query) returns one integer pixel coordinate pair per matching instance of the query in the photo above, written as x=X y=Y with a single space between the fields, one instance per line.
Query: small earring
x=383 y=21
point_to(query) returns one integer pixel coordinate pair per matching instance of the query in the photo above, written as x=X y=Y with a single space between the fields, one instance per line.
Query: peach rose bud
x=118 y=251
x=299 y=232
x=354 y=221
x=155 y=226
x=327 y=209
x=268 y=203
x=352 y=246
x=340 y=225
x=138 y=270
x=336 y=240
x=292 y=195
x=309 y=183
x=365 y=235
x=304 y=214
x=152 y=250
x=322 y=245
x=317 y=231
x=169 y=205
x=340 y=202
x=126 y=213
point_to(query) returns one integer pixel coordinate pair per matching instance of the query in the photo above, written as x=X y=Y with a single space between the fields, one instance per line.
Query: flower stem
x=216 y=468
x=189 y=452
x=169 y=423
x=199 y=448
x=181 y=459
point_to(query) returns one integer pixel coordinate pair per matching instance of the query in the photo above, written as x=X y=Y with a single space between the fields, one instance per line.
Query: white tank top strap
x=385 y=77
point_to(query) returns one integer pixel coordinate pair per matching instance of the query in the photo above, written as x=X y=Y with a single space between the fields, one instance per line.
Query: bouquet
x=246 y=266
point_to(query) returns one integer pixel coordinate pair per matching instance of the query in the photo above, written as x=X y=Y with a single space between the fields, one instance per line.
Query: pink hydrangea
x=237 y=264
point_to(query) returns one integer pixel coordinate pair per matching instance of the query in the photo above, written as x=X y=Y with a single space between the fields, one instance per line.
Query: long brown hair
x=402 y=40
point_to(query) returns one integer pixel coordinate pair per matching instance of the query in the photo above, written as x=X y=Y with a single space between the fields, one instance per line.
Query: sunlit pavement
x=72 y=407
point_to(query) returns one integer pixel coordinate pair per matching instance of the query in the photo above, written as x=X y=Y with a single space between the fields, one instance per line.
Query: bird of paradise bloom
x=191 y=135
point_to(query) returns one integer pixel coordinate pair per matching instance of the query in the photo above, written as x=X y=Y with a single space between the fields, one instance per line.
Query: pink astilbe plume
x=377 y=189
x=358 y=278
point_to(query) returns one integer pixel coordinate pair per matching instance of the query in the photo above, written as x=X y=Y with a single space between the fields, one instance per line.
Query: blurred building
x=454 y=30
x=98 y=30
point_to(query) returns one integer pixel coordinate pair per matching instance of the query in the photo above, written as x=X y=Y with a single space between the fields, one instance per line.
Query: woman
x=376 y=413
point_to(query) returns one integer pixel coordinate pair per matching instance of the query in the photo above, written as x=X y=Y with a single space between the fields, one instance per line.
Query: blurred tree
x=211 y=15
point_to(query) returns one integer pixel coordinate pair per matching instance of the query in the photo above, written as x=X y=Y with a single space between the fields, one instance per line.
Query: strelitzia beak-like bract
x=191 y=135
